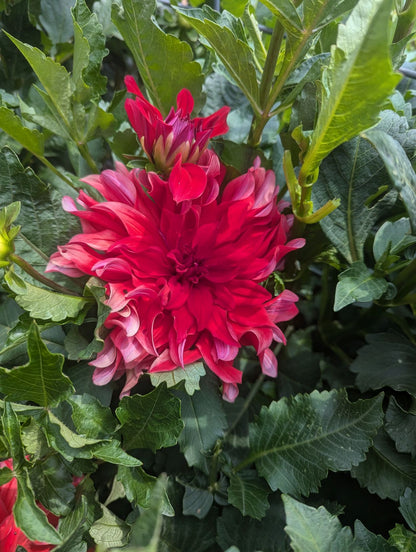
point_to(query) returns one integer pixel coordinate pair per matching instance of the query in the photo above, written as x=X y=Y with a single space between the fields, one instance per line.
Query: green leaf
x=316 y=530
x=113 y=453
x=403 y=539
x=73 y=526
x=353 y=172
x=393 y=238
x=408 y=507
x=385 y=471
x=31 y=139
x=387 y=361
x=190 y=375
x=73 y=439
x=356 y=83
x=249 y=534
x=204 y=422
x=249 y=494
x=11 y=430
x=54 y=78
x=401 y=426
x=41 y=214
x=109 y=530
x=286 y=13
x=399 y=168
x=296 y=441
x=147 y=528
x=150 y=421
x=28 y=516
x=42 y=303
x=89 y=51
x=313 y=530
x=358 y=284
x=6 y=475
x=41 y=380
x=91 y=418
x=226 y=37
x=164 y=62
x=53 y=17
x=139 y=488
x=197 y=502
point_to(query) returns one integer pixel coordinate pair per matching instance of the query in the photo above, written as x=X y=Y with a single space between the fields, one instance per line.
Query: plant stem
x=270 y=63
x=55 y=171
x=28 y=268
x=83 y=148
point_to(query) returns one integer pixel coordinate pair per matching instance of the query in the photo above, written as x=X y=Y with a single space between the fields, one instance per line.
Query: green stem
x=28 y=268
x=270 y=63
x=55 y=171
x=83 y=148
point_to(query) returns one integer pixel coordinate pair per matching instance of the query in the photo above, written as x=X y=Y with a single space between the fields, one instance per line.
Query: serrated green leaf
x=387 y=361
x=91 y=418
x=204 y=422
x=358 y=284
x=399 y=168
x=54 y=78
x=189 y=375
x=408 y=507
x=248 y=493
x=315 y=530
x=353 y=172
x=401 y=426
x=150 y=421
x=53 y=17
x=356 y=83
x=109 y=530
x=402 y=539
x=366 y=541
x=296 y=441
x=286 y=12
x=164 y=62
x=385 y=471
x=41 y=380
x=225 y=35
x=31 y=139
x=73 y=439
x=139 y=487
x=42 y=303
x=89 y=51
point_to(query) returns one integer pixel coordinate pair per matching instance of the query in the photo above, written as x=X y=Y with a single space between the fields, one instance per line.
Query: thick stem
x=55 y=171
x=28 y=268
x=271 y=62
x=88 y=158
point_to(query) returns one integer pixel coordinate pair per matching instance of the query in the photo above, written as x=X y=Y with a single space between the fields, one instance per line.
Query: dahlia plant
x=207 y=253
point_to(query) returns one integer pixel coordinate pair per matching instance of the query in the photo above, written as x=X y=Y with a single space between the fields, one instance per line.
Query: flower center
x=187 y=265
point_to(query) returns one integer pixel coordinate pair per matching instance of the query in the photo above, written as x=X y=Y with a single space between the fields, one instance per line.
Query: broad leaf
x=403 y=539
x=164 y=62
x=113 y=453
x=389 y=360
x=197 y=502
x=356 y=83
x=358 y=284
x=204 y=422
x=385 y=471
x=45 y=304
x=91 y=418
x=31 y=139
x=53 y=17
x=401 y=426
x=393 y=238
x=109 y=531
x=249 y=494
x=399 y=168
x=41 y=380
x=287 y=15
x=355 y=173
x=408 y=507
x=150 y=421
x=139 y=488
x=225 y=35
x=296 y=441
x=54 y=78
x=189 y=375
x=366 y=541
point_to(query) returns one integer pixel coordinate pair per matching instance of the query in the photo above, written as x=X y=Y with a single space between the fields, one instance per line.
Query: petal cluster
x=182 y=254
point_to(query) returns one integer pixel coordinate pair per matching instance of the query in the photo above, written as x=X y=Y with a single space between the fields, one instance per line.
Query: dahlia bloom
x=164 y=140
x=12 y=536
x=182 y=258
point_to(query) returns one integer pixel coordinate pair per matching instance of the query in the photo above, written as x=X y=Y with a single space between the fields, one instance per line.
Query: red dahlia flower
x=182 y=264
x=12 y=536
x=164 y=140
